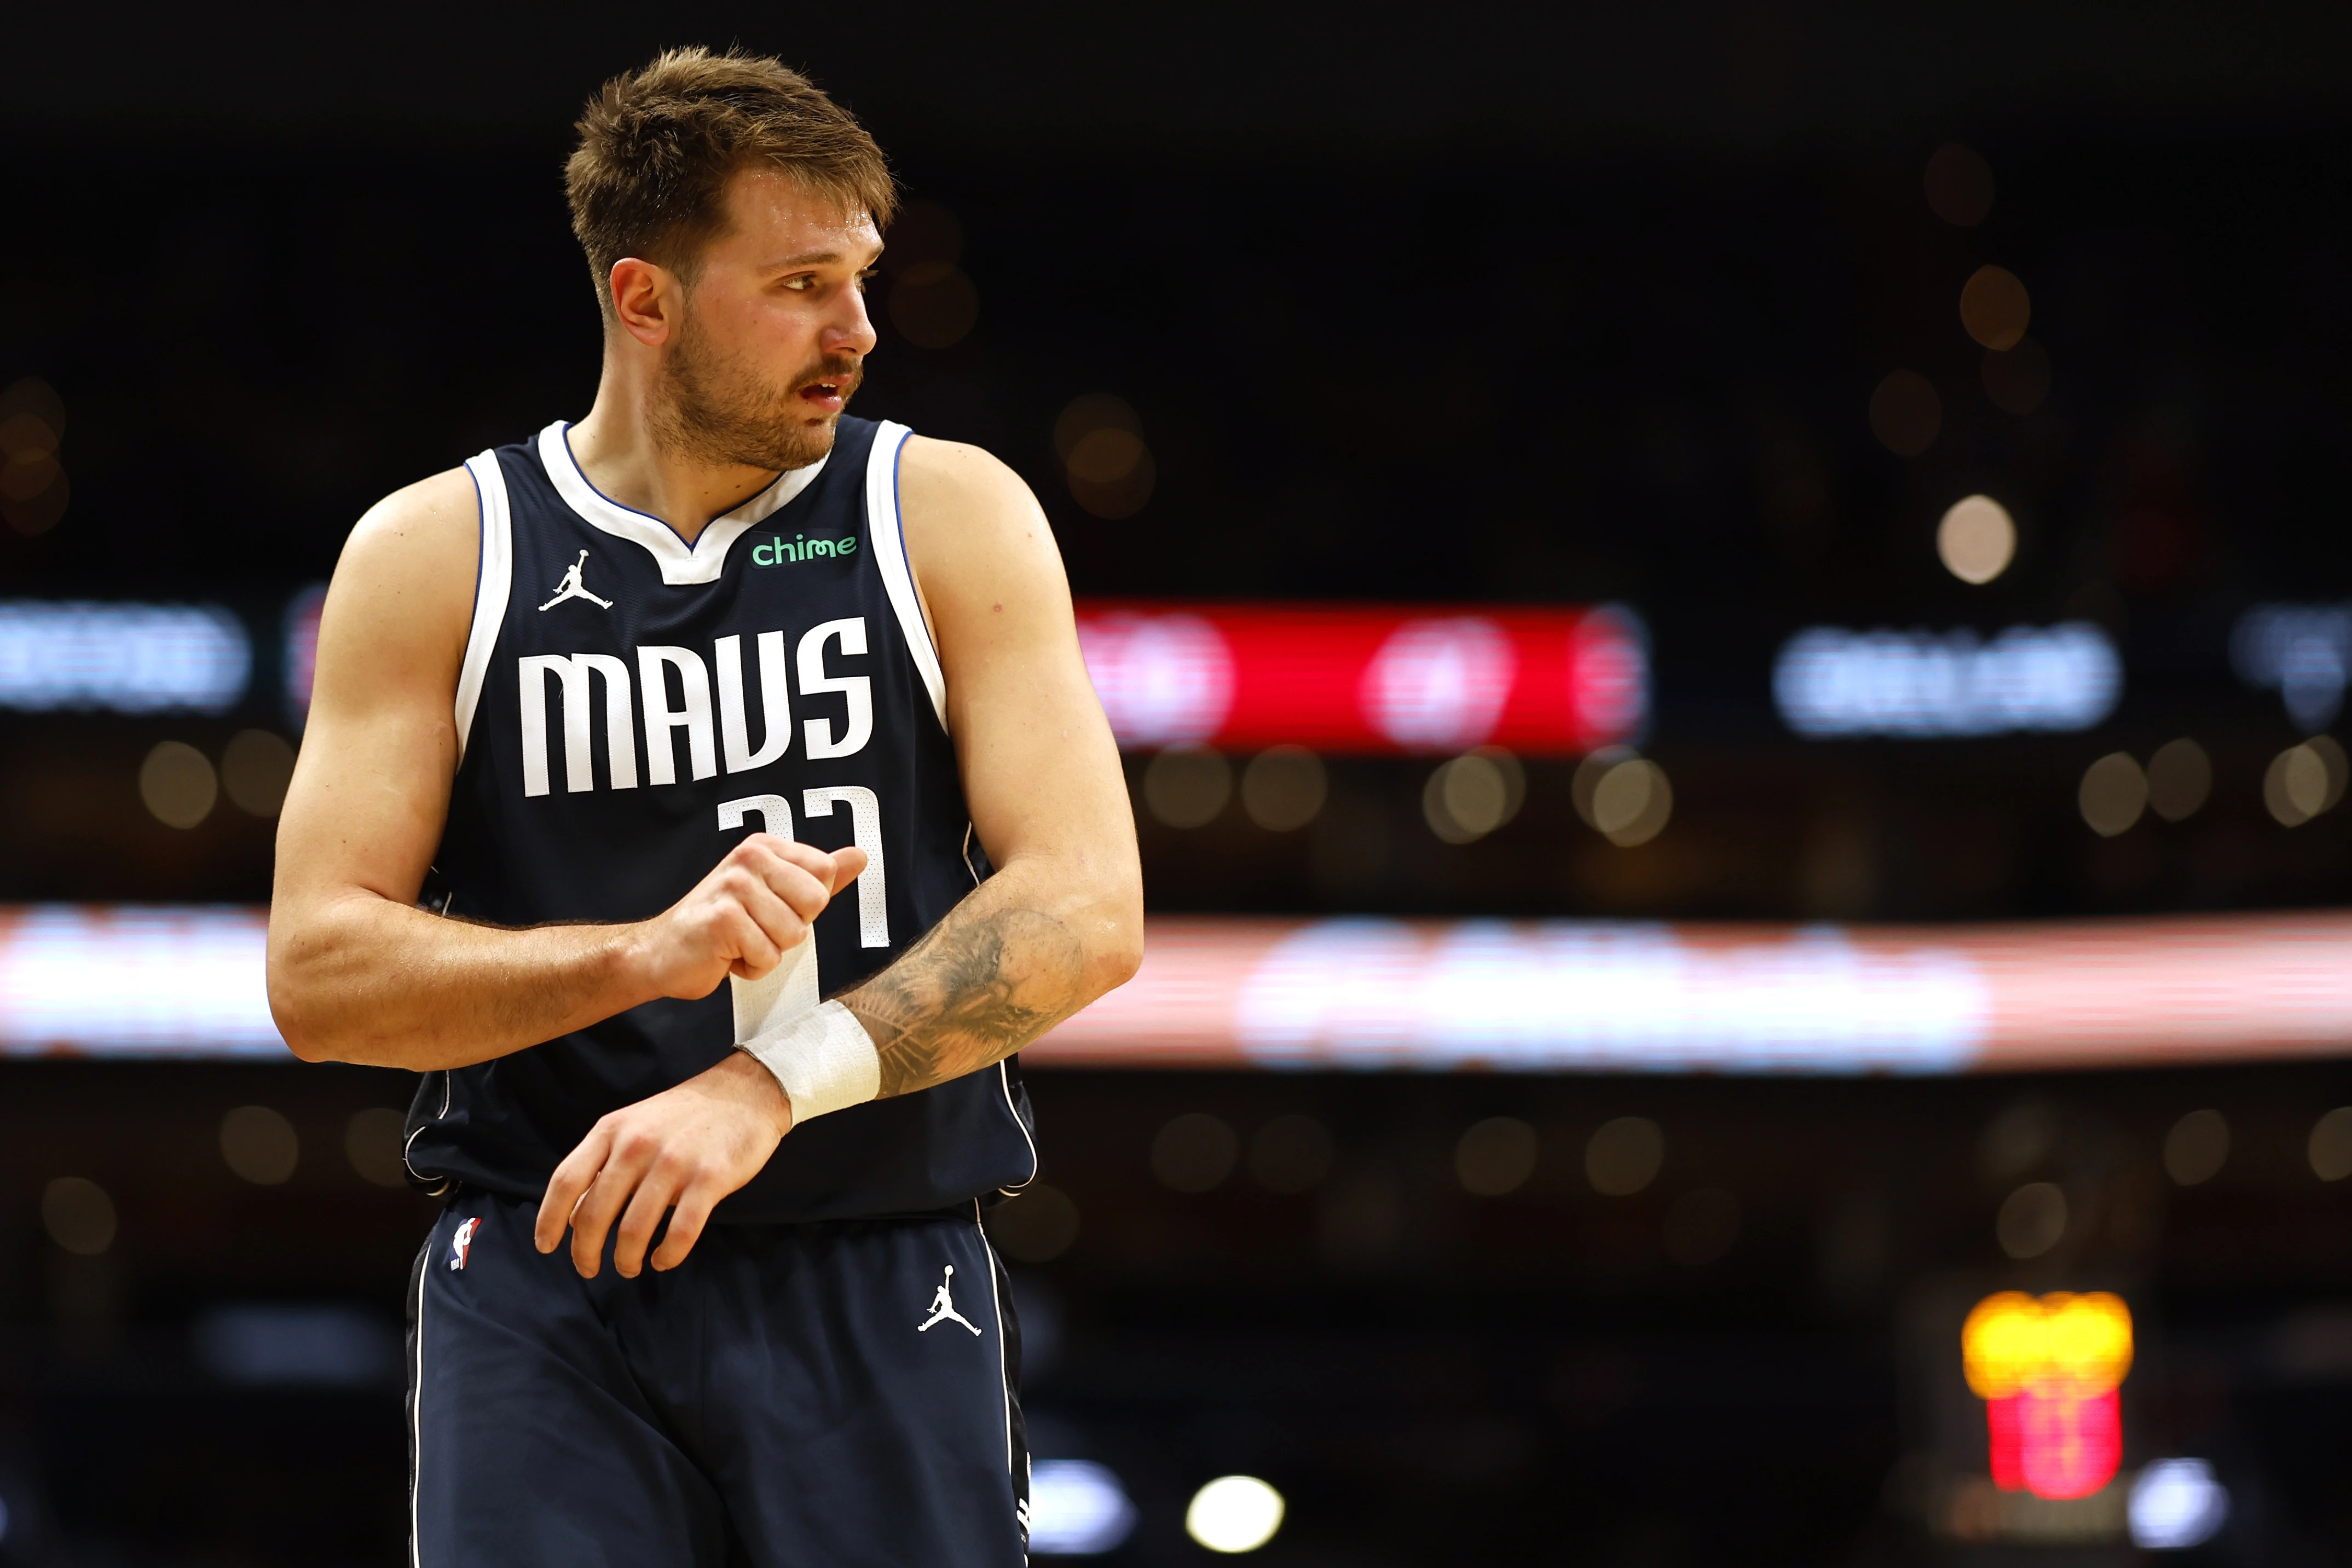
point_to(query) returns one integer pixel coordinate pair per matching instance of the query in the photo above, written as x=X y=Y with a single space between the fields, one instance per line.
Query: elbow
x=303 y=1037
x=1117 y=952
x=293 y=1008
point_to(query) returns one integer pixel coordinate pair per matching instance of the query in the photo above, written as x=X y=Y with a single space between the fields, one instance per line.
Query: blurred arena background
x=1748 y=600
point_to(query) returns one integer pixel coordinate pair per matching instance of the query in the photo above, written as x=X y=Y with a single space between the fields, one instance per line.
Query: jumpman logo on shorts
x=572 y=588
x=944 y=1308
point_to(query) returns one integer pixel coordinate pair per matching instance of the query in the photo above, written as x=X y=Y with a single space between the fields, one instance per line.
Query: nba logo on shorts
x=462 y=1243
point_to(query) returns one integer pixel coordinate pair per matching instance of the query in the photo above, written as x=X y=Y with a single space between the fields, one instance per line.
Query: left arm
x=1059 y=923
x=1062 y=920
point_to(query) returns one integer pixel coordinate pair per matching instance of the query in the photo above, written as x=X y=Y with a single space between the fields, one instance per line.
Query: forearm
x=362 y=978
x=1026 y=949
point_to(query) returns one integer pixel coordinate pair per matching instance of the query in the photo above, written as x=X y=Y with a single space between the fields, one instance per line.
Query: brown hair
x=657 y=146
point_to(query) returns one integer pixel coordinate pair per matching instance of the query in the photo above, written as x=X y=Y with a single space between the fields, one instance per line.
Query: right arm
x=357 y=972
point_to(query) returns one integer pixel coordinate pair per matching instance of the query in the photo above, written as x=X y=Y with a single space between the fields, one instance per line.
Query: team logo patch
x=943 y=1307
x=570 y=587
x=462 y=1244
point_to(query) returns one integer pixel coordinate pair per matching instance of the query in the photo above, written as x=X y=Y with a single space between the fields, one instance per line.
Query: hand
x=755 y=906
x=685 y=1148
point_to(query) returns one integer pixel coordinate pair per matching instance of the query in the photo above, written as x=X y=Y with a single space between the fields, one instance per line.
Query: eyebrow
x=814 y=258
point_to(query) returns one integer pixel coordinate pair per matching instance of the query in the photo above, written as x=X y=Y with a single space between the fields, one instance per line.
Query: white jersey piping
x=1004 y=1340
x=890 y=558
x=493 y=580
x=682 y=564
x=416 y=1414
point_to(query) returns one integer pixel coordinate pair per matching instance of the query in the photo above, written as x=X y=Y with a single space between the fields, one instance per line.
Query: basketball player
x=708 y=799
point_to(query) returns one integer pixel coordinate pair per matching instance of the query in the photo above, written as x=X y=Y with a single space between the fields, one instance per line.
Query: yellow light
x=2060 y=1344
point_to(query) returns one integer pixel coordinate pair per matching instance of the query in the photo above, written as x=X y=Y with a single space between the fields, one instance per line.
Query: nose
x=851 y=331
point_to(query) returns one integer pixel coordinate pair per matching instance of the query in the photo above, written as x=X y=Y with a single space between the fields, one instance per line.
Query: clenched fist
x=755 y=906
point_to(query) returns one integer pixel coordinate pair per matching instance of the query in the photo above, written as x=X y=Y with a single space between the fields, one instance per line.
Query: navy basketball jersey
x=630 y=707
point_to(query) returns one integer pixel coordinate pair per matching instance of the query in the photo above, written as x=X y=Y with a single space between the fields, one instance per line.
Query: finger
x=761 y=928
x=804 y=891
x=848 y=865
x=633 y=1153
x=761 y=847
x=653 y=1198
x=563 y=1189
x=686 y=1222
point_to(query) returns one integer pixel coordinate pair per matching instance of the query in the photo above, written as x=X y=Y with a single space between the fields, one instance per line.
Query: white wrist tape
x=825 y=1059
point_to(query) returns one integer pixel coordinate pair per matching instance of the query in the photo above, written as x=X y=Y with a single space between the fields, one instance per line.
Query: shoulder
x=432 y=516
x=933 y=472
x=962 y=508
x=407 y=573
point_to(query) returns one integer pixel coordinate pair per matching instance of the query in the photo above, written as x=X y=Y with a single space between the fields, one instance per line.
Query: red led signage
x=1362 y=678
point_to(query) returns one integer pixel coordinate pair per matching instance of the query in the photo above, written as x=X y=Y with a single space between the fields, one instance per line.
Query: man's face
x=774 y=336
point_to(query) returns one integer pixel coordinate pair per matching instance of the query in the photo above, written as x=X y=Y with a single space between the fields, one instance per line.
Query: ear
x=646 y=299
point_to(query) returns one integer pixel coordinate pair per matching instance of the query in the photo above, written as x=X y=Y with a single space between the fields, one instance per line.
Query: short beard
x=713 y=405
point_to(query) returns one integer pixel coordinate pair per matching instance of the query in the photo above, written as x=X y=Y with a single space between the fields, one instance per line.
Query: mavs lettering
x=672 y=688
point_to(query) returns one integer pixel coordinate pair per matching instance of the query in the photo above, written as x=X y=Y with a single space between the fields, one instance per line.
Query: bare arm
x=1062 y=920
x=357 y=973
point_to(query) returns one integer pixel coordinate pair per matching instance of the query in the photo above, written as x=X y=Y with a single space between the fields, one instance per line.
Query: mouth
x=828 y=396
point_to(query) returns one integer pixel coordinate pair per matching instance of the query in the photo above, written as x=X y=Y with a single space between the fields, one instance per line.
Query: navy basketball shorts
x=818 y=1395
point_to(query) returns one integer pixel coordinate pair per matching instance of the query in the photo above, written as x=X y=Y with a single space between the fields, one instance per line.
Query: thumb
x=848 y=865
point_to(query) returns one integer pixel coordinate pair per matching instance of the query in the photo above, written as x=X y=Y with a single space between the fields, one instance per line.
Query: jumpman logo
x=572 y=588
x=944 y=1308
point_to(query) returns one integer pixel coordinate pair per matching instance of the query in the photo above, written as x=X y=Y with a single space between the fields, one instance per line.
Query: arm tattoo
x=978 y=986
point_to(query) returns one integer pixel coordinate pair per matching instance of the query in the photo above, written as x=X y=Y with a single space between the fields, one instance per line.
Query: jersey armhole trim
x=891 y=559
x=493 y=580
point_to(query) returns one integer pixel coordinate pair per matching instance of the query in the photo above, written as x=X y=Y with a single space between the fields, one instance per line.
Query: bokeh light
x=1284 y=788
x=256 y=769
x=1474 y=794
x=1960 y=185
x=79 y=1214
x=2047 y=1369
x=2304 y=781
x=260 y=1145
x=33 y=486
x=934 y=305
x=2176 y=1504
x=372 y=1143
x=1290 y=1154
x=1995 y=308
x=1977 y=538
x=1076 y=1509
x=2197 y=1147
x=2112 y=794
x=1630 y=802
x=1194 y=1152
x=1188 y=786
x=2032 y=1219
x=1104 y=458
x=2179 y=779
x=1233 y=1513
x=931 y=301
x=1905 y=414
x=178 y=785
x=1495 y=1156
x=2329 y=1148
x=1035 y=1225
x=1624 y=1156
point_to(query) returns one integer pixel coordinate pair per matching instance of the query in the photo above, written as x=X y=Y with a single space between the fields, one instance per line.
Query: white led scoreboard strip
x=1437 y=996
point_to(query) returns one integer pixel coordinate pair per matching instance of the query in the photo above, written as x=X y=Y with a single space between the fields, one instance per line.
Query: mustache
x=844 y=370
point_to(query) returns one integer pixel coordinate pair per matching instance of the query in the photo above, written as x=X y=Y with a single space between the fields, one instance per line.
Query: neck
x=617 y=450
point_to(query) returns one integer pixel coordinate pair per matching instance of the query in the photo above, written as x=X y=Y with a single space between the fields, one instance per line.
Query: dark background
x=1477 y=304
